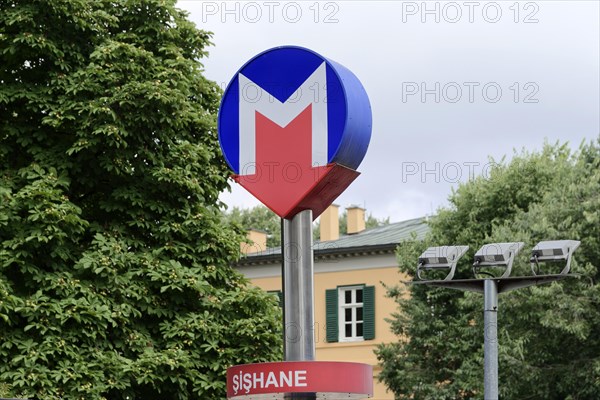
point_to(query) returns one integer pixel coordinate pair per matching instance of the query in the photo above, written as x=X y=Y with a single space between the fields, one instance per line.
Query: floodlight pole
x=490 y=341
x=491 y=288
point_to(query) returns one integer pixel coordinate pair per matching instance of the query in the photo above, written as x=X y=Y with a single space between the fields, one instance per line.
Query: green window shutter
x=279 y=295
x=369 y=312
x=331 y=314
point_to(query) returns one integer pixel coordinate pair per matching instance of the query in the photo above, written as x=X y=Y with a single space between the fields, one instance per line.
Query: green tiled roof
x=383 y=238
x=390 y=234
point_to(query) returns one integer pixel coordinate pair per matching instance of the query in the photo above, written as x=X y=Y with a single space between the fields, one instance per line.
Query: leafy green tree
x=549 y=335
x=115 y=277
x=259 y=217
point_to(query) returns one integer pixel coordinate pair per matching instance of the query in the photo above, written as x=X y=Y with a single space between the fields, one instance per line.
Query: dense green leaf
x=115 y=276
x=549 y=336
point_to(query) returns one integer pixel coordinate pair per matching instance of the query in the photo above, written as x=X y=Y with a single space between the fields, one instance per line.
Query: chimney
x=329 y=225
x=356 y=219
x=256 y=241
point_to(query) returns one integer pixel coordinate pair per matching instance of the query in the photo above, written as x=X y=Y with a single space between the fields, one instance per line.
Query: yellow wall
x=351 y=351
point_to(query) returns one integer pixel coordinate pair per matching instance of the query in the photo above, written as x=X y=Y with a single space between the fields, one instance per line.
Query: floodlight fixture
x=440 y=258
x=496 y=255
x=553 y=251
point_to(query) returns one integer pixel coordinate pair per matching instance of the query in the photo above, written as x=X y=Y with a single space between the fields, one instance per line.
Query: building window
x=350 y=313
x=350 y=305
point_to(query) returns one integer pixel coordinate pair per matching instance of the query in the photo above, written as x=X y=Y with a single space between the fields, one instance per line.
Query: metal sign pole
x=298 y=288
x=490 y=341
x=299 y=341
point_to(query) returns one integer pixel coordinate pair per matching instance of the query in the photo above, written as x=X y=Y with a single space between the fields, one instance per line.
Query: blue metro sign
x=294 y=126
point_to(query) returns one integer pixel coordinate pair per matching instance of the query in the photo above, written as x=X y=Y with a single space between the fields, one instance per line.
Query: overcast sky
x=450 y=83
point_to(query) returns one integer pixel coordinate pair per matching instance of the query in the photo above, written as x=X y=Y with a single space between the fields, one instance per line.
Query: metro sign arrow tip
x=285 y=179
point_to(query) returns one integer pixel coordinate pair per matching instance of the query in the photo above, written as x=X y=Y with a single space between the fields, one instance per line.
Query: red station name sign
x=266 y=380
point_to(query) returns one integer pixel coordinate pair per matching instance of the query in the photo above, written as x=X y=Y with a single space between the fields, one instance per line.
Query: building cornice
x=273 y=256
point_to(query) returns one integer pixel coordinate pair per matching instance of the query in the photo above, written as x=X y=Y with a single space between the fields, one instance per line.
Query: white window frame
x=342 y=306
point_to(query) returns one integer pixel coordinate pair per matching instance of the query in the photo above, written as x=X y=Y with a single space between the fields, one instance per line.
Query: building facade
x=350 y=298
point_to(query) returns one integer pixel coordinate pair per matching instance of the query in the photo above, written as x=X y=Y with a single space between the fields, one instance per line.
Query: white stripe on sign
x=253 y=98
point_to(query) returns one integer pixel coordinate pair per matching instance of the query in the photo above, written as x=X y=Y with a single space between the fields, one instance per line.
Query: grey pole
x=490 y=343
x=298 y=317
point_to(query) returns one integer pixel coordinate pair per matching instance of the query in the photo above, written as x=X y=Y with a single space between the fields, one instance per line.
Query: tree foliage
x=258 y=217
x=549 y=335
x=115 y=277
x=261 y=218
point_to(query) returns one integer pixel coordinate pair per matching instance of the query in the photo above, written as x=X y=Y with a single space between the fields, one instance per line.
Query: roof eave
x=323 y=254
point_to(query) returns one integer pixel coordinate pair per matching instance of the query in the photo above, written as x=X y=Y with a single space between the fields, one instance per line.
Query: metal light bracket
x=496 y=255
x=553 y=251
x=441 y=258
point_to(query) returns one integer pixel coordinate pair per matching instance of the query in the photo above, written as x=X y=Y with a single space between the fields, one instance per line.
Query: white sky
x=543 y=56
